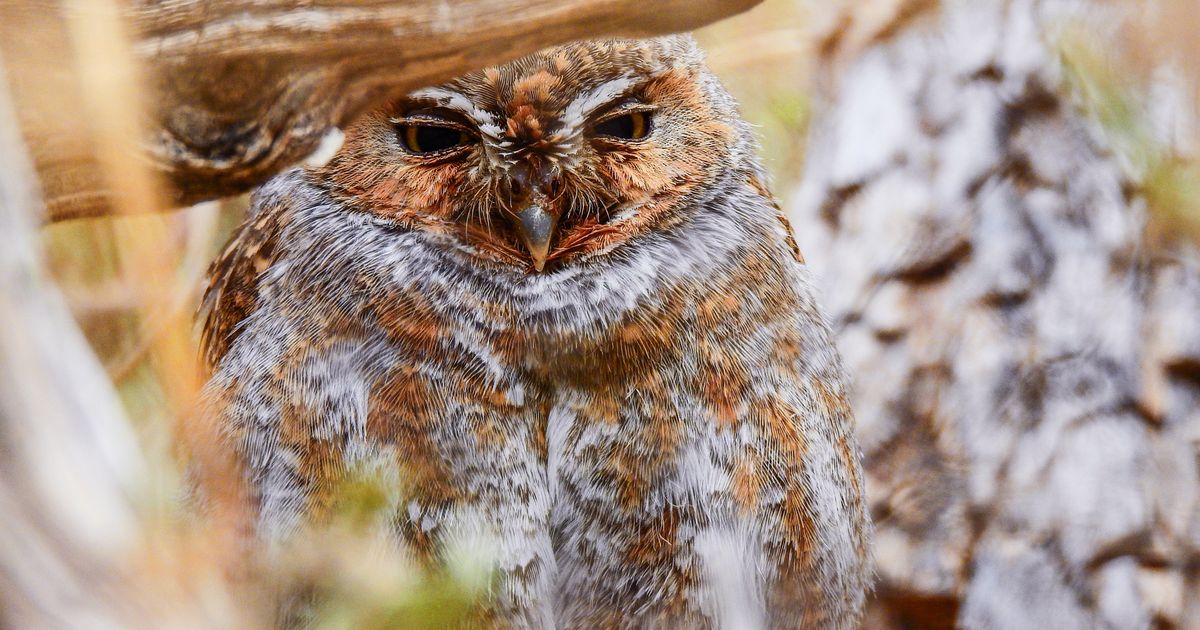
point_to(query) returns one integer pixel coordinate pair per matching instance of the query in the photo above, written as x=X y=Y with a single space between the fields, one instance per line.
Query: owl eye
x=430 y=139
x=628 y=126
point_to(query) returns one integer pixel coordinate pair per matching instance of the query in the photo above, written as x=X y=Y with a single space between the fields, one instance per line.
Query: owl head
x=556 y=157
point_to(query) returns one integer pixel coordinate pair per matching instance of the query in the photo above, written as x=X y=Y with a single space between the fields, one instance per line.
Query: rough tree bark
x=242 y=89
x=1027 y=380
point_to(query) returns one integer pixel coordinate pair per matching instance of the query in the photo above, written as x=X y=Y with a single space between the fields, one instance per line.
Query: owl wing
x=232 y=293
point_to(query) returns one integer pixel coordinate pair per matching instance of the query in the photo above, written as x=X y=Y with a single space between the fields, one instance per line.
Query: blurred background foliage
x=1141 y=87
x=766 y=59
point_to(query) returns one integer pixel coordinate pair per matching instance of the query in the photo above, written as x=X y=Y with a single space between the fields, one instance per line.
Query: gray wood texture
x=1026 y=375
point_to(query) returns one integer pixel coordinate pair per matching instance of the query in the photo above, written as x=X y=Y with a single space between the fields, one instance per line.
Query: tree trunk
x=1026 y=380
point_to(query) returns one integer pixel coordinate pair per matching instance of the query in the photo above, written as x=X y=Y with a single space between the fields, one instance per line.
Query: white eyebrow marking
x=457 y=101
x=491 y=130
x=574 y=114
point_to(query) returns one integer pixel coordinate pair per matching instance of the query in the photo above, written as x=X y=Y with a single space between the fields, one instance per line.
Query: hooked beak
x=537 y=228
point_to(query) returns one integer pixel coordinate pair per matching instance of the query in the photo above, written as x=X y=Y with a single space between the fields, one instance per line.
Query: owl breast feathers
x=558 y=297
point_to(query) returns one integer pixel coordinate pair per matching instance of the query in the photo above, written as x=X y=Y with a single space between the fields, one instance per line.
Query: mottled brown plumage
x=559 y=297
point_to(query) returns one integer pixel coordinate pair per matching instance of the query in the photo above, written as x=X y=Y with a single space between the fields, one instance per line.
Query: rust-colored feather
x=232 y=291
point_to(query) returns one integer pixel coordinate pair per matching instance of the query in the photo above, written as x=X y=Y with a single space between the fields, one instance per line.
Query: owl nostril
x=549 y=182
x=519 y=181
x=525 y=181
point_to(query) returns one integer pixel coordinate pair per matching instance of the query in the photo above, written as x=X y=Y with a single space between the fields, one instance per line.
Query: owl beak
x=537 y=229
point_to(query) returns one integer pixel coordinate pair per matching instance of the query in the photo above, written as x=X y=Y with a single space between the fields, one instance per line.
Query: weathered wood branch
x=245 y=88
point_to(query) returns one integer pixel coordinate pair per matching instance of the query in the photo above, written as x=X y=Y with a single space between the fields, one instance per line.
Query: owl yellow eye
x=630 y=126
x=429 y=139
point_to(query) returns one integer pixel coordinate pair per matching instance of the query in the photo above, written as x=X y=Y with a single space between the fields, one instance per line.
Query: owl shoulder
x=232 y=292
x=760 y=187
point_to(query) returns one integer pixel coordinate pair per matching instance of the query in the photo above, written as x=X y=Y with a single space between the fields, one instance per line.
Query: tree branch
x=245 y=88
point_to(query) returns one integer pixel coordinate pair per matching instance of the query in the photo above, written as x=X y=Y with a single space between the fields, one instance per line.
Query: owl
x=558 y=296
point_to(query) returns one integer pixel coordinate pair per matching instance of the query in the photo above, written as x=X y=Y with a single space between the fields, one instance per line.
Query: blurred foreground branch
x=245 y=88
x=69 y=456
